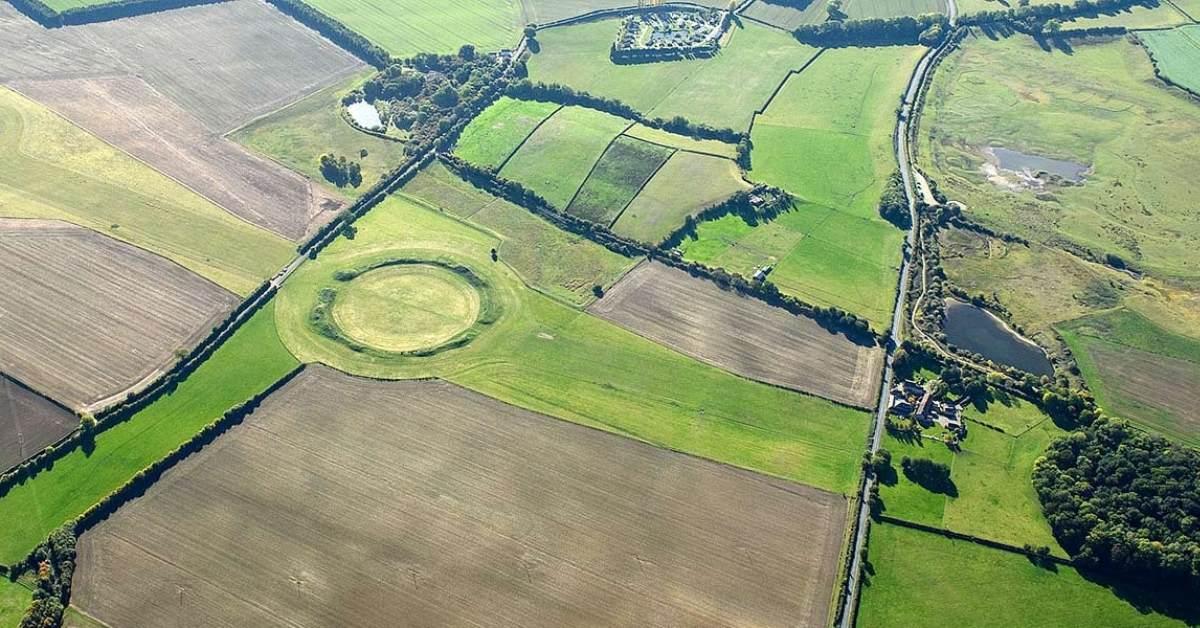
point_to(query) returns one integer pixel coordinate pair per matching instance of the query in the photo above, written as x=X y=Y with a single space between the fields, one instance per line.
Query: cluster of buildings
x=915 y=401
x=656 y=32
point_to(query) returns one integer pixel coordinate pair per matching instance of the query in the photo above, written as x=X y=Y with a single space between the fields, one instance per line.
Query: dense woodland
x=1124 y=501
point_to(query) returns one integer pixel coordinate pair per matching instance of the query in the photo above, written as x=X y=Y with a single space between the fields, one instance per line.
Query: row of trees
x=1124 y=501
x=564 y=95
x=46 y=16
x=927 y=29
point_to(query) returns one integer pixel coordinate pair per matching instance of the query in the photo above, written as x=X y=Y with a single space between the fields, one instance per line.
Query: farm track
x=333 y=509
x=742 y=335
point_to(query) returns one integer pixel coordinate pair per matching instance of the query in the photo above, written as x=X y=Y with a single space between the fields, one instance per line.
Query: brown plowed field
x=351 y=502
x=129 y=114
x=28 y=423
x=85 y=315
x=742 y=335
x=225 y=63
x=1155 y=381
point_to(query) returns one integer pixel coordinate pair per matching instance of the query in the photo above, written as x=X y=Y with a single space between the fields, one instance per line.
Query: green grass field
x=1177 y=54
x=1135 y=17
x=407 y=27
x=297 y=135
x=1136 y=370
x=245 y=365
x=14 y=599
x=671 y=140
x=556 y=159
x=867 y=9
x=617 y=178
x=560 y=264
x=1098 y=105
x=817 y=254
x=723 y=91
x=827 y=136
x=992 y=476
x=686 y=184
x=58 y=171
x=922 y=579
x=548 y=357
x=63 y=5
x=494 y=135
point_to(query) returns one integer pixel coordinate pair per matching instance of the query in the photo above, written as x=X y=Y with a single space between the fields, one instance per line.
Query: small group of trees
x=54 y=560
x=1124 y=501
x=893 y=203
x=427 y=94
x=340 y=171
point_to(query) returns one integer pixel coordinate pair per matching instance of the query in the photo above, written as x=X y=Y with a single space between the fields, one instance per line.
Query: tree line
x=564 y=95
x=929 y=30
x=54 y=561
x=45 y=15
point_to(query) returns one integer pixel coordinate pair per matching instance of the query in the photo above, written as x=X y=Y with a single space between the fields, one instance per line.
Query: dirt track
x=742 y=335
x=129 y=114
x=28 y=423
x=353 y=502
x=123 y=317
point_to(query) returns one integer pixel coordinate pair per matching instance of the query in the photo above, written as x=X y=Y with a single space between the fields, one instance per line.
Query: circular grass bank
x=404 y=307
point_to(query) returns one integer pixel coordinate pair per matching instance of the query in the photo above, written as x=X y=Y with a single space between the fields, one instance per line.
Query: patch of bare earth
x=128 y=113
x=742 y=335
x=226 y=63
x=1153 y=380
x=28 y=423
x=352 y=502
x=83 y=315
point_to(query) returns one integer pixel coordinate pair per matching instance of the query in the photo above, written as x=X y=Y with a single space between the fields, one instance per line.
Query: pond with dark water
x=978 y=330
x=1021 y=162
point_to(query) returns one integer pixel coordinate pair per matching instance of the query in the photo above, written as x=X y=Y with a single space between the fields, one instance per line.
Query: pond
x=365 y=115
x=1017 y=161
x=978 y=330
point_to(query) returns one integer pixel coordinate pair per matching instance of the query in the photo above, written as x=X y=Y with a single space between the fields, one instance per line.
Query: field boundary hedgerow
x=978 y=540
x=48 y=17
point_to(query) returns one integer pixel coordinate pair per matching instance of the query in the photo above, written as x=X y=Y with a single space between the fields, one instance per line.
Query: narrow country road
x=904 y=160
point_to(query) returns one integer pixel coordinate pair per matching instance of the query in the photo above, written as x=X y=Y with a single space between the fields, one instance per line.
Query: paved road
x=903 y=158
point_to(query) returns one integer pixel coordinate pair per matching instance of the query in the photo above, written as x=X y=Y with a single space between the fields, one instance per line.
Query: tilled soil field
x=1149 y=384
x=353 y=502
x=28 y=423
x=225 y=63
x=85 y=315
x=745 y=336
x=128 y=113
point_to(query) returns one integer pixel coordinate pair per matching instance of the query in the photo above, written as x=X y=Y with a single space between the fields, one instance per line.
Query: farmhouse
x=913 y=400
